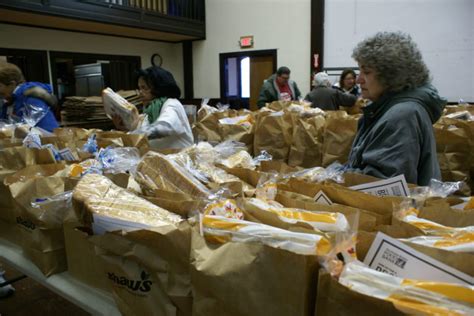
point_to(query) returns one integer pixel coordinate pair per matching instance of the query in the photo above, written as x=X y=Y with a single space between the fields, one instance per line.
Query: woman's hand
x=118 y=122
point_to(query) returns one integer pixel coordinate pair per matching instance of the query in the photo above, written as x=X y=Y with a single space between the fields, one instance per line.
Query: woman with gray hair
x=327 y=98
x=395 y=134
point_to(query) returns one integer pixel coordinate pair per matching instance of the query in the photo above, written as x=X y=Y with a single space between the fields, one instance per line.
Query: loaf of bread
x=114 y=104
x=160 y=169
x=96 y=194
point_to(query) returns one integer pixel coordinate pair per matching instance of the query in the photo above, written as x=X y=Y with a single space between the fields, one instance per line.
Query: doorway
x=242 y=75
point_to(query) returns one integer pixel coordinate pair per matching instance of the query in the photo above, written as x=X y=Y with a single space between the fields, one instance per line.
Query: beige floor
x=31 y=298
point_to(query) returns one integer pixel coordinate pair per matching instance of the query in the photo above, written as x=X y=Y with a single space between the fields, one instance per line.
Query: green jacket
x=395 y=136
x=270 y=91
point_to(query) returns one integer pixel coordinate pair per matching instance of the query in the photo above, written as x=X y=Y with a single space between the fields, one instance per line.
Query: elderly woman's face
x=371 y=88
x=145 y=90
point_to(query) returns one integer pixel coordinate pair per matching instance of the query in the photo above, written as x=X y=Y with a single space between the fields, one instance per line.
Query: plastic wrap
x=461 y=241
x=267 y=186
x=33 y=114
x=91 y=144
x=410 y=216
x=319 y=221
x=435 y=189
x=228 y=148
x=241 y=159
x=100 y=196
x=119 y=160
x=220 y=229
x=243 y=120
x=226 y=208
x=169 y=175
x=52 y=210
x=333 y=172
x=32 y=140
x=114 y=104
x=410 y=296
x=263 y=156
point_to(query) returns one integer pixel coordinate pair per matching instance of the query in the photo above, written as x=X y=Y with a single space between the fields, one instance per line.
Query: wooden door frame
x=251 y=53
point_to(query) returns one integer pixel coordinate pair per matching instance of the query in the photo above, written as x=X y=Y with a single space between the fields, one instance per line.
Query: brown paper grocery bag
x=453 y=145
x=335 y=299
x=82 y=262
x=250 y=279
x=139 y=141
x=163 y=253
x=273 y=133
x=383 y=206
x=239 y=133
x=207 y=126
x=307 y=142
x=367 y=220
x=339 y=133
x=276 y=166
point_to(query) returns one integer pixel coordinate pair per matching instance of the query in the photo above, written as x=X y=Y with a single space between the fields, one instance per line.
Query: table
x=90 y=299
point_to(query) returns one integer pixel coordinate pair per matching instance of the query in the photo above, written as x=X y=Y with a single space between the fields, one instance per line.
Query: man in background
x=278 y=87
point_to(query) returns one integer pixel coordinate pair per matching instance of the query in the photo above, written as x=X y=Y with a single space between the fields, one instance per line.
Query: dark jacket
x=329 y=99
x=395 y=136
x=36 y=94
x=270 y=91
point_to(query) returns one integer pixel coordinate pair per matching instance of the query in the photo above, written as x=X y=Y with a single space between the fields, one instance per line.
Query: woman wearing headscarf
x=168 y=125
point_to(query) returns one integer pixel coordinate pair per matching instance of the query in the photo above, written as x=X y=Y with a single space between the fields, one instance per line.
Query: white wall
x=275 y=24
x=12 y=36
x=443 y=30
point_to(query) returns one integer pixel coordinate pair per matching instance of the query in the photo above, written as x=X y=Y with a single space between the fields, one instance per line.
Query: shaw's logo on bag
x=26 y=223
x=143 y=285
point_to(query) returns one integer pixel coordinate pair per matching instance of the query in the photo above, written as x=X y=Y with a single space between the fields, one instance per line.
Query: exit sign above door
x=246 y=41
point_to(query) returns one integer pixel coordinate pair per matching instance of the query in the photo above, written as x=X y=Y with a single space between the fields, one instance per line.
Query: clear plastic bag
x=33 y=114
x=91 y=145
x=53 y=210
x=435 y=189
x=119 y=160
x=263 y=156
x=334 y=172
x=267 y=187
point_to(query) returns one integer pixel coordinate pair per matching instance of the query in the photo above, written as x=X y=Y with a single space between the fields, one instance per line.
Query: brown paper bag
x=207 y=127
x=453 y=145
x=250 y=279
x=367 y=220
x=158 y=257
x=178 y=203
x=383 y=206
x=239 y=133
x=338 y=136
x=276 y=166
x=82 y=262
x=41 y=232
x=336 y=299
x=273 y=133
x=139 y=141
x=307 y=142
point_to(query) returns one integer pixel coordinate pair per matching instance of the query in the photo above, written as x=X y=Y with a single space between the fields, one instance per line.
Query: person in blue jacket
x=395 y=134
x=23 y=98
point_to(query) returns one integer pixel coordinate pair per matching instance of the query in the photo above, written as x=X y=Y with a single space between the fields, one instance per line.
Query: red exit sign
x=246 y=41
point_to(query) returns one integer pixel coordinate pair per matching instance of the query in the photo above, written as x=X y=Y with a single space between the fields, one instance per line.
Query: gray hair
x=396 y=59
x=321 y=79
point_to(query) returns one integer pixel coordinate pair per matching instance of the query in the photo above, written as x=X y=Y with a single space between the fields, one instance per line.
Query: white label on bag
x=391 y=256
x=322 y=198
x=396 y=186
x=103 y=224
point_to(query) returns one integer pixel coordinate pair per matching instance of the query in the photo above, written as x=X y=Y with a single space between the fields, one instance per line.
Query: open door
x=261 y=67
x=243 y=74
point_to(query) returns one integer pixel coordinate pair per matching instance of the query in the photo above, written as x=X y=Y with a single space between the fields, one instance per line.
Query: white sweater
x=171 y=129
